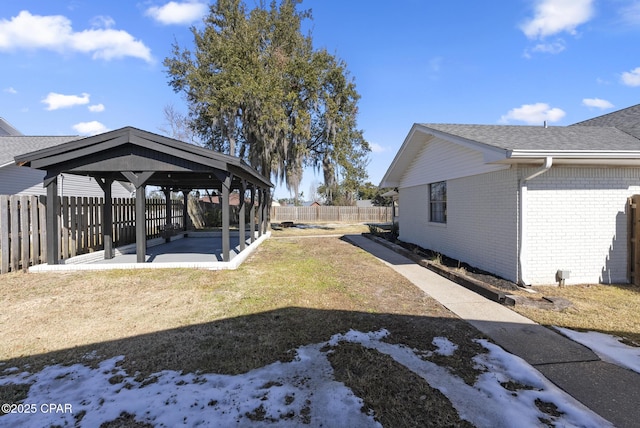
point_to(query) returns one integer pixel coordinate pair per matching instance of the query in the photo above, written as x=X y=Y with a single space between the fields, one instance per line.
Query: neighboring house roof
x=12 y=146
x=612 y=139
x=627 y=120
x=234 y=199
x=157 y=161
x=7 y=129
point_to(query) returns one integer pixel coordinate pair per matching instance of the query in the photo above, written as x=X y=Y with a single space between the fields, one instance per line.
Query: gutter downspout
x=524 y=280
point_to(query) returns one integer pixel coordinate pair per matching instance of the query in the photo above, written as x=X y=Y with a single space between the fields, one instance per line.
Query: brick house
x=528 y=203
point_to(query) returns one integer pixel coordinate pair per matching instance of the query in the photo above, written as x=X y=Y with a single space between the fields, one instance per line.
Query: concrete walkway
x=609 y=390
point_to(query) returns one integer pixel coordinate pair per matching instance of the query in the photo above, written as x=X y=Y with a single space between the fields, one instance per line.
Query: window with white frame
x=438 y=202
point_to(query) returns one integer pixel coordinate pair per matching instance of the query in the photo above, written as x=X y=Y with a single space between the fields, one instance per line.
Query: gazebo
x=147 y=159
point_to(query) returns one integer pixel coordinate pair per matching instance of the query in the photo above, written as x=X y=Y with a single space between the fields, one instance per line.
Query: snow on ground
x=302 y=392
x=608 y=348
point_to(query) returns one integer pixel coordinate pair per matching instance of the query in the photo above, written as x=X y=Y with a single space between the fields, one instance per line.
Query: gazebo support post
x=226 y=185
x=242 y=232
x=252 y=214
x=141 y=227
x=260 y=211
x=53 y=208
x=265 y=210
x=185 y=209
x=168 y=224
x=141 y=202
x=107 y=215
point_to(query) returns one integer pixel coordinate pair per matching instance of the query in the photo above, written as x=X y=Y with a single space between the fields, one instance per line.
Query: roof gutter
x=523 y=249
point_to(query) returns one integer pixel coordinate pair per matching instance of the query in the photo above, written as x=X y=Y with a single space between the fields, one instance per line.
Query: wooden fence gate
x=633 y=228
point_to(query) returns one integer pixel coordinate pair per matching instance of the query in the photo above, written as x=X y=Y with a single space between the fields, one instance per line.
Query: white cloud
x=377 y=148
x=533 y=114
x=557 y=16
x=631 y=78
x=90 y=128
x=630 y=15
x=551 y=48
x=96 y=108
x=102 y=21
x=56 y=101
x=597 y=103
x=10 y=90
x=54 y=32
x=177 y=13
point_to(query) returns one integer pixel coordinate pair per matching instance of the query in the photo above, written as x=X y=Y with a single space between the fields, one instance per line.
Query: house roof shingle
x=627 y=120
x=513 y=137
x=11 y=146
x=610 y=139
x=7 y=129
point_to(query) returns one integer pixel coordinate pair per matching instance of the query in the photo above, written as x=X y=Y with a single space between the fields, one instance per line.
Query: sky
x=285 y=392
x=81 y=67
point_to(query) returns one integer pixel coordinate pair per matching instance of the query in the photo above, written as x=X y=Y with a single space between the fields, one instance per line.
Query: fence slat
x=4 y=234
x=23 y=226
x=24 y=232
x=332 y=214
x=35 y=230
x=14 y=218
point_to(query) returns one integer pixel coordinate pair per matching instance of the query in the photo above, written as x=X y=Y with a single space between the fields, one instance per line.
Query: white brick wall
x=482 y=225
x=577 y=222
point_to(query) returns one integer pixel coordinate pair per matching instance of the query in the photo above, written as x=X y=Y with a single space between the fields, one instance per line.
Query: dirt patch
x=392 y=393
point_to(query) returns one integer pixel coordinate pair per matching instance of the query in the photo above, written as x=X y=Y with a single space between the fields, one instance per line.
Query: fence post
x=35 y=230
x=4 y=234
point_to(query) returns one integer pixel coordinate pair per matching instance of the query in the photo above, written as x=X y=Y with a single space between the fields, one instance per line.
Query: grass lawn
x=298 y=288
x=610 y=309
x=291 y=292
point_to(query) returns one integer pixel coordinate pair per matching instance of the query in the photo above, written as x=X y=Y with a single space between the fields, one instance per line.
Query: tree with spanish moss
x=256 y=88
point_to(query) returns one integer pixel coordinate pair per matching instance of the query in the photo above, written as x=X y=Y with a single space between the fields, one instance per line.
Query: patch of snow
x=300 y=392
x=444 y=346
x=608 y=348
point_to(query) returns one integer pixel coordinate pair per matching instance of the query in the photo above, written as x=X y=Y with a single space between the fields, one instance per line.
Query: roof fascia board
x=41 y=162
x=71 y=145
x=574 y=154
x=388 y=180
x=175 y=150
x=487 y=150
x=192 y=148
x=490 y=154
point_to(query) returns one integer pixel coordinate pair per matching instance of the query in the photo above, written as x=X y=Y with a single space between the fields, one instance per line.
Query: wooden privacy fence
x=23 y=234
x=332 y=214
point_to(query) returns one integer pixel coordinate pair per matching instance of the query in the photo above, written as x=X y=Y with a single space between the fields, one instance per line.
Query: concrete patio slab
x=201 y=250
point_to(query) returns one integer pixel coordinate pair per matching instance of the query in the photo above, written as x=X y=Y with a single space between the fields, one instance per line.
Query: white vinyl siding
x=440 y=160
x=17 y=180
